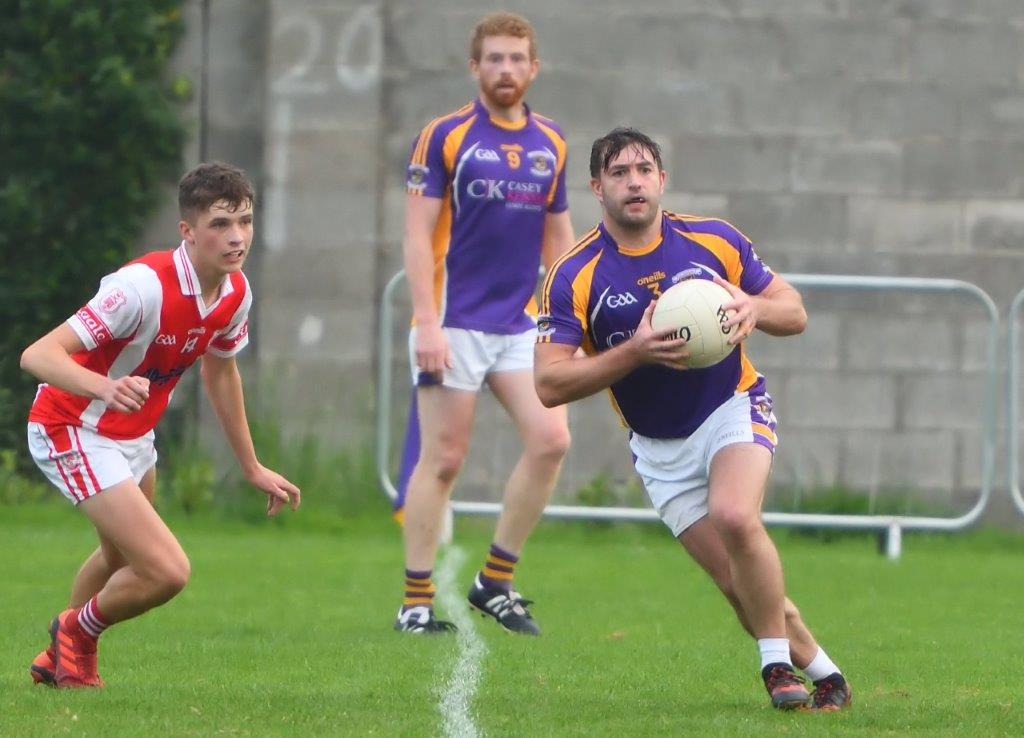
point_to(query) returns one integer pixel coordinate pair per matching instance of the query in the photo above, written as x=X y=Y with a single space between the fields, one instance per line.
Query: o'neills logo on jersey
x=511 y=191
x=651 y=278
x=96 y=327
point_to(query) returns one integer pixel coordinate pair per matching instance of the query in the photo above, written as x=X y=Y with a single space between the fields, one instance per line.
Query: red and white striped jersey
x=148 y=319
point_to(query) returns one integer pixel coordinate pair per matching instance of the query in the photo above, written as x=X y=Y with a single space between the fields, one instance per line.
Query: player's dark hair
x=612 y=143
x=212 y=182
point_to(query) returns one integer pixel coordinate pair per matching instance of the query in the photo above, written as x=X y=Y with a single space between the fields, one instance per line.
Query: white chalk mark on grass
x=457 y=696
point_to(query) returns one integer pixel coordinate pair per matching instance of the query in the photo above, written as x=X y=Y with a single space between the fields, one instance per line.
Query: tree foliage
x=88 y=130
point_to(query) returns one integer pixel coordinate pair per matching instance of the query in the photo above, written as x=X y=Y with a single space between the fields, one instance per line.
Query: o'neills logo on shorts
x=96 y=327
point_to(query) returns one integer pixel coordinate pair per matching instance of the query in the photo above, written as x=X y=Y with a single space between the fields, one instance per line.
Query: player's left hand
x=745 y=315
x=279 y=490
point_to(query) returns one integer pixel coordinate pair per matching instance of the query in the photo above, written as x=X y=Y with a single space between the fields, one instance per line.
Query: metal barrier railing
x=1013 y=412
x=891 y=525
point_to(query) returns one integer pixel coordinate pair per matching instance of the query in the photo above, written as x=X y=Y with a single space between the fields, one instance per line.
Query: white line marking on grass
x=457 y=698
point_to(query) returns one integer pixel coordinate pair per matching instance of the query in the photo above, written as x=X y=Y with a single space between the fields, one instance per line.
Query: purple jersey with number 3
x=497 y=182
x=596 y=294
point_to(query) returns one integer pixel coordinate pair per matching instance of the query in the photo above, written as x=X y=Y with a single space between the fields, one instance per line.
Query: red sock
x=91 y=620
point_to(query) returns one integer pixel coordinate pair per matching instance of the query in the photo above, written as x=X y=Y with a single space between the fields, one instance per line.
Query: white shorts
x=82 y=463
x=476 y=354
x=675 y=471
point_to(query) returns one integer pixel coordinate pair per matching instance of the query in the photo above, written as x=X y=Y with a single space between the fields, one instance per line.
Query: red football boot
x=76 y=654
x=44 y=666
x=832 y=693
x=785 y=687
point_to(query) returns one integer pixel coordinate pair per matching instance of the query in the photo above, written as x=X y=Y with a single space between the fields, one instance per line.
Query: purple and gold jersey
x=497 y=181
x=596 y=294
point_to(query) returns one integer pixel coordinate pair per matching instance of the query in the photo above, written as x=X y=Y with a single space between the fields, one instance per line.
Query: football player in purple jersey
x=485 y=207
x=703 y=440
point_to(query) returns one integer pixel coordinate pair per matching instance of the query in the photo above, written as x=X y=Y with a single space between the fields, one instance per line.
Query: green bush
x=839 y=500
x=188 y=482
x=604 y=491
x=193 y=479
x=338 y=481
x=17 y=488
x=88 y=130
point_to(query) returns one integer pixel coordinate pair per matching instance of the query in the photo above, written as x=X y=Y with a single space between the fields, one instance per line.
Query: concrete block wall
x=844 y=136
x=226 y=123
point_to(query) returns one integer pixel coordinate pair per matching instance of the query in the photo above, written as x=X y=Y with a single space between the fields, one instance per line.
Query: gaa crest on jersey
x=762 y=405
x=111 y=301
x=541 y=163
x=621 y=299
x=759 y=260
x=416 y=177
x=544 y=327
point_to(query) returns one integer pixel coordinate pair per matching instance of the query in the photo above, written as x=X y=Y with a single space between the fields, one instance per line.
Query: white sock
x=774 y=651
x=820 y=667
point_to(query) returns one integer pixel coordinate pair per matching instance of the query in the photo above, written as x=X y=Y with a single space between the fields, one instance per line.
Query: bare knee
x=551 y=445
x=179 y=574
x=176 y=574
x=169 y=575
x=736 y=525
x=445 y=463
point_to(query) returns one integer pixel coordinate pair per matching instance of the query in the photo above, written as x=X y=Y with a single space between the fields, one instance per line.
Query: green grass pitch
x=286 y=630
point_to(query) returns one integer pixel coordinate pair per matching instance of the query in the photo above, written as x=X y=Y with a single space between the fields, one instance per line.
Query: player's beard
x=504 y=97
x=638 y=222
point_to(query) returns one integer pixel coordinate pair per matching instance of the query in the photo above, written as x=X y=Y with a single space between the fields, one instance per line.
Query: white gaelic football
x=694 y=309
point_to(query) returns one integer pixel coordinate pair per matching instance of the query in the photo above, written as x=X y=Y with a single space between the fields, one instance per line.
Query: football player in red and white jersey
x=108 y=374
